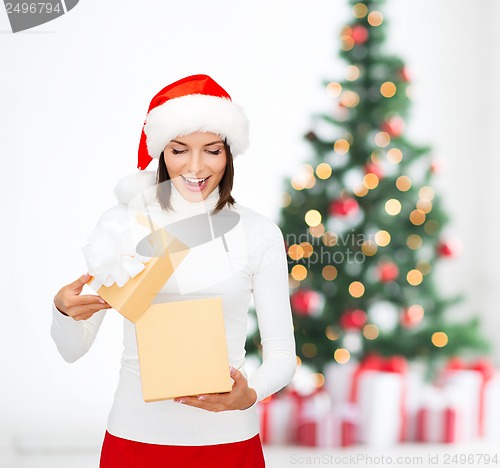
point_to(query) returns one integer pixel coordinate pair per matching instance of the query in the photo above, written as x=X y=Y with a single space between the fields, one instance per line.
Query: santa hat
x=195 y=103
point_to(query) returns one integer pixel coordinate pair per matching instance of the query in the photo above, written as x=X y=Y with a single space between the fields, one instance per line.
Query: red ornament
x=359 y=34
x=411 y=317
x=437 y=166
x=374 y=169
x=353 y=319
x=394 y=126
x=405 y=74
x=406 y=320
x=449 y=248
x=344 y=207
x=387 y=271
x=305 y=301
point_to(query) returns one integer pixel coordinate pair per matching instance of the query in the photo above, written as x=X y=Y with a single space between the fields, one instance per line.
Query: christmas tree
x=363 y=225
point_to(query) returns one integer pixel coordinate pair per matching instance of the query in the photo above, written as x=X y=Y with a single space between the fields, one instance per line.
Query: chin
x=195 y=196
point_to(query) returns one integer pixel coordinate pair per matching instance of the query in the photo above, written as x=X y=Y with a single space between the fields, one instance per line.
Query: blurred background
x=74 y=95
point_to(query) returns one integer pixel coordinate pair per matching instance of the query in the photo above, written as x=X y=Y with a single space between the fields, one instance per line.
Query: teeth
x=195 y=181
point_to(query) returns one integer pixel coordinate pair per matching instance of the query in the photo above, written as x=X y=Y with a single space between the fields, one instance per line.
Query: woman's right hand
x=69 y=301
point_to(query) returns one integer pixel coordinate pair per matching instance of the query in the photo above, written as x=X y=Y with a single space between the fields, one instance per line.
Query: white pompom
x=128 y=187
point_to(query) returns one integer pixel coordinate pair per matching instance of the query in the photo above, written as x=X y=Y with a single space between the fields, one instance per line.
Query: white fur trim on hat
x=193 y=113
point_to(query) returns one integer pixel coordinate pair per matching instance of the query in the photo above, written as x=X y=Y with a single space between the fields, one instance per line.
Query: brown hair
x=225 y=185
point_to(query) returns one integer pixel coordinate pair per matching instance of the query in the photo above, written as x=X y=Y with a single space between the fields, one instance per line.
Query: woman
x=193 y=129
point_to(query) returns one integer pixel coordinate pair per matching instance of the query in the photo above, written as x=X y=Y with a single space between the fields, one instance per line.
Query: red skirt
x=122 y=453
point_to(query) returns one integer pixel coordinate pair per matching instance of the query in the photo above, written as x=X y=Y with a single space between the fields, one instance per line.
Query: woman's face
x=196 y=164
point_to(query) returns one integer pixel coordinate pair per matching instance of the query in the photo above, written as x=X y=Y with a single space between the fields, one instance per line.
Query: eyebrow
x=208 y=144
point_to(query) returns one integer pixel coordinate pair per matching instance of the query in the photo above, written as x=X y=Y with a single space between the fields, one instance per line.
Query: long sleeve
x=274 y=316
x=74 y=338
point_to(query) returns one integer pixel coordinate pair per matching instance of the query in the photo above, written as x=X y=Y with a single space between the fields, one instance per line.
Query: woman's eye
x=176 y=151
x=215 y=152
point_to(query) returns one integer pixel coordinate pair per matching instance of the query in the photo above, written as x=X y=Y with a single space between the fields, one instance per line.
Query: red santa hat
x=192 y=104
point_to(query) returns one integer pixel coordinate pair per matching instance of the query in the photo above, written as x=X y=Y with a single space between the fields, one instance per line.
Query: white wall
x=452 y=49
x=74 y=94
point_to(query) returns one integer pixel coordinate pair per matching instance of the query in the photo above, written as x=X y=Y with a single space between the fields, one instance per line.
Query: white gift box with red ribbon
x=467 y=384
x=379 y=390
x=377 y=387
x=276 y=415
x=306 y=407
x=338 y=380
x=471 y=381
x=334 y=428
x=281 y=414
x=441 y=418
x=492 y=408
x=415 y=389
x=380 y=400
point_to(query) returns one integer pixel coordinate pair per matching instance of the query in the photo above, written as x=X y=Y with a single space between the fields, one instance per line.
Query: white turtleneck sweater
x=250 y=259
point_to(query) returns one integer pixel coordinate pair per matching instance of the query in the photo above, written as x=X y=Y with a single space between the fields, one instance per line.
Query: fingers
x=78 y=284
x=214 y=403
x=86 y=309
x=88 y=299
x=236 y=375
x=238 y=398
x=80 y=307
x=73 y=305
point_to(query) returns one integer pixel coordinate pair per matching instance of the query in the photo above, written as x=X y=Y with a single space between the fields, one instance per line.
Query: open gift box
x=182 y=349
x=181 y=345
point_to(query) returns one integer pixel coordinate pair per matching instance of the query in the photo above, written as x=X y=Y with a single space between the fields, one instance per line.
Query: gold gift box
x=182 y=349
x=181 y=345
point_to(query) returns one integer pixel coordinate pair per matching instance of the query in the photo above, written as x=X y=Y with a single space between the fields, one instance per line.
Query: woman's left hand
x=240 y=397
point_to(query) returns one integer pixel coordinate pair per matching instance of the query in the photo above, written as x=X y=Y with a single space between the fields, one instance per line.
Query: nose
x=195 y=162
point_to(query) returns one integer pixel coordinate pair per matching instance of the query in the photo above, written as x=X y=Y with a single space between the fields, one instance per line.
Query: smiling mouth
x=195 y=183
